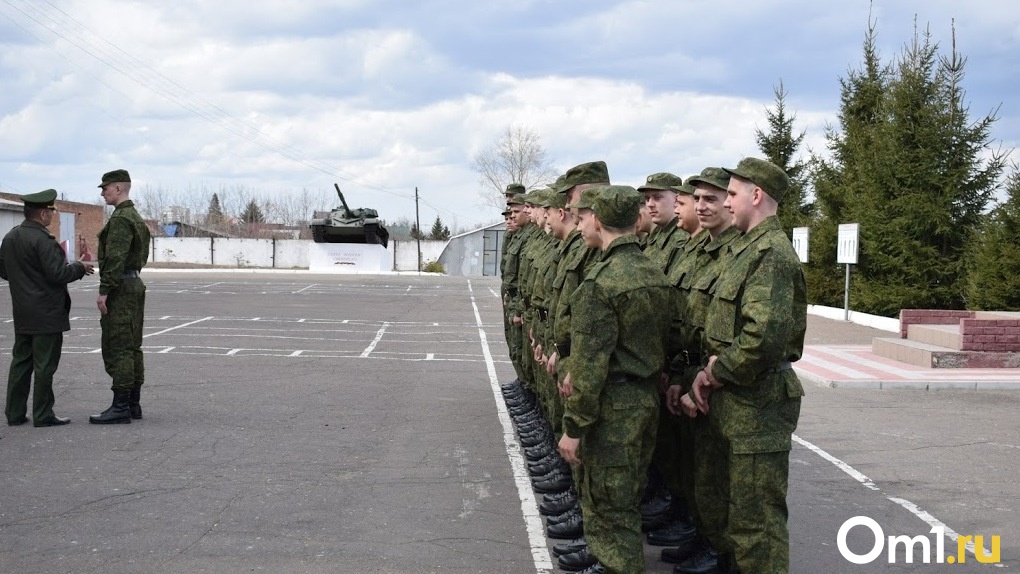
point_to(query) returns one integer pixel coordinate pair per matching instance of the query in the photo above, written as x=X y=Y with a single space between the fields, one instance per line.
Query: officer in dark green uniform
x=620 y=326
x=123 y=251
x=754 y=330
x=37 y=270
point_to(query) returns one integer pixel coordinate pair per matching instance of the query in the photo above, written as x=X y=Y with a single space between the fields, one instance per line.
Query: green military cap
x=516 y=199
x=587 y=198
x=662 y=181
x=765 y=174
x=541 y=197
x=714 y=176
x=531 y=197
x=686 y=188
x=40 y=199
x=505 y=213
x=514 y=189
x=591 y=172
x=555 y=200
x=115 y=176
x=617 y=205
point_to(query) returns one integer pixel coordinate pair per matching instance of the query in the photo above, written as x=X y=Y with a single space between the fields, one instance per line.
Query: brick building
x=77 y=223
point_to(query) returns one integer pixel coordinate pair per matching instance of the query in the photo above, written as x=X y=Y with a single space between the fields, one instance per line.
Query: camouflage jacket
x=123 y=246
x=567 y=251
x=574 y=271
x=663 y=244
x=754 y=324
x=621 y=318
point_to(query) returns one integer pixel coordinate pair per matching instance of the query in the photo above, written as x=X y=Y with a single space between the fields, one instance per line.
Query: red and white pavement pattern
x=855 y=366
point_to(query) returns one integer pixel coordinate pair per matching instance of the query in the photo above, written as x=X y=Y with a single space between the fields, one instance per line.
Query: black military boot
x=134 y=403
x=118 y=413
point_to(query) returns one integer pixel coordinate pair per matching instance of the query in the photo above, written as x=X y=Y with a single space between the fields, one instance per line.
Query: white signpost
x=846 y=253
x=800 y=242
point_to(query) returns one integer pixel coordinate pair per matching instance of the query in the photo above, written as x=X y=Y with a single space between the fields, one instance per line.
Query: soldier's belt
x=563 y=349
x=543 y=314
x=784 y=366
x=130 y=274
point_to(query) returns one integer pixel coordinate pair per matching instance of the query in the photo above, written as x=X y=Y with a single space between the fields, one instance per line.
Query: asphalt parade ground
x=312 y=423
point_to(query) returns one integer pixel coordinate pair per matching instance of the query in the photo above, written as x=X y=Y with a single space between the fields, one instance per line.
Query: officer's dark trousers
x=38 y=354
x=122 y=335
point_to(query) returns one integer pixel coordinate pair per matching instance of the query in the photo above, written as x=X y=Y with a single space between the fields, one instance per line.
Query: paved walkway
x=838 y=354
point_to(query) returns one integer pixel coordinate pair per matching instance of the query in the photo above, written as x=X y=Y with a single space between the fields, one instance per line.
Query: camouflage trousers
x=615 y=456
x=740 y=499
x=122 y=335
x=38 y=355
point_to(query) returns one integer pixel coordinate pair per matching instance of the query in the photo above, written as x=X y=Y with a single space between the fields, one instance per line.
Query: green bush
x=434 y=267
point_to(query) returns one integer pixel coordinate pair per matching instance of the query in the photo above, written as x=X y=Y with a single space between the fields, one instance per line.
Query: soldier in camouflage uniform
x=754 y=330
x=695 y=276
x=511 y=284
x=665 y=238
x=123 y=251
x=620 y=327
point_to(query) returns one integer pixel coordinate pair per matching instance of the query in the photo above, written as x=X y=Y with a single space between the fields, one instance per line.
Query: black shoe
x=53 y=422
x=704 y=561
x=545 y=460
x=530 y=417
x=547 y=467
x=681 y=552
x=551 y=475
x=557 y=507
x=559 y=496
x=559 y=483
x=569 y=547
x=539 y=451
x=598 y=568
x=657 y=506
x=677 y=532
x=134 y=403
x=118 y=413
x=577 y=561
x=537 y=437
x=566 y=530
x=563 y=516
x=17 y=422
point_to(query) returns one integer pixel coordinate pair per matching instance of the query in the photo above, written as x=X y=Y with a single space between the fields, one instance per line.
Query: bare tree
x=516 y=157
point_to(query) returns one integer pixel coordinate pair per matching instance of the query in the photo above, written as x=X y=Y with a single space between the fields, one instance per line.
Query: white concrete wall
x=406 y=253
x=290 y=253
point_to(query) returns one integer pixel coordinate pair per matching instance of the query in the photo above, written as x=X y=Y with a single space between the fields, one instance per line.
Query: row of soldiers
x=652 y=332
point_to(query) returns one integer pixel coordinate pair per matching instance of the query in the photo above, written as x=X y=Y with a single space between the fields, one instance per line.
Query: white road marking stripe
x=494 y=294
x=167 y=350
x=175 y=328
x=233 y=352
x=529 y=508
x=378 y=337
x=906 y=504
x=305 y=289
x=430 y=356
x=296 y=353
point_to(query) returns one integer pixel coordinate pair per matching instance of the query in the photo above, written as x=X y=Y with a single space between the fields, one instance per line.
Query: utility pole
x=417 y=222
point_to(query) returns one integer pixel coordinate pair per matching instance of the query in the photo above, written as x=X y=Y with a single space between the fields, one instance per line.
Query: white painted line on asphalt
x=167 y=350
x=936 y=523
x=839 y=464
x=302 y=290
x=296 y=353
x=378 y=337
x=906 y=504
x=494 y=294
x=529 y=508
x=233 y=352
x=430 y=356
x=175 y=328
x=210 y=285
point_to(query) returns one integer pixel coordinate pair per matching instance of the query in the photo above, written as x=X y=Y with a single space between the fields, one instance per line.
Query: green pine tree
x=439 y=231
x=915 y=172
x=252 y=213
x=781 y=147
x=214 y=215
x=994 y=278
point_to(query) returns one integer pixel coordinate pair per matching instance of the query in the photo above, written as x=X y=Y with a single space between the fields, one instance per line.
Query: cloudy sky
x=273 y=97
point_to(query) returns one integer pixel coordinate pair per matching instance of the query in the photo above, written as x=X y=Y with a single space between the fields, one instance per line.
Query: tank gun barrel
x=347 y=209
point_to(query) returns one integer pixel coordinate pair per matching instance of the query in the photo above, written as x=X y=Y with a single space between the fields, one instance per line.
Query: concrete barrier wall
x=279 y=254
